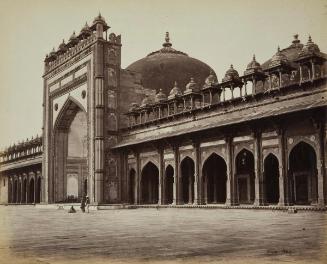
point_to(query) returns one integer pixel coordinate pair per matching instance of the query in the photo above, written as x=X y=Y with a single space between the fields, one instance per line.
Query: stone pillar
x=280 y=78
x=99 y=110
x=301 y=74
x=190 y=189
x=282 y=168
x=231 y=190
x=161 y=178
x=258 y=180
x=197 y=181
x=138 y=179
x=313 y=70
x=321 y=164
x=176 y=199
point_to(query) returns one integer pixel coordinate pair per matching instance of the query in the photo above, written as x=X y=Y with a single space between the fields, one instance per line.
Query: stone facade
x=256 y=139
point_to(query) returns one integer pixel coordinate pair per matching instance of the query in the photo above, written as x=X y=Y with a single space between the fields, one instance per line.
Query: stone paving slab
x=164 y=235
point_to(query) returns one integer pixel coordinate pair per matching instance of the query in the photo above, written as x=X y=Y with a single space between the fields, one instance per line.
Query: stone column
x=282 y=167
x=138 y=179
x=197 y=182
x=231 y=190
x=161 y=178
x=99 y=111
x=190 y=189
x=176 y=176
x=258 y=180
x=321 y=164
x=313 y=70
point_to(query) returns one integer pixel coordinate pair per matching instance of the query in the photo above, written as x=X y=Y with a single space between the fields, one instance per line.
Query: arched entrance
x=24 y=191
x=303 y=174
x=150 y=184
x=132 y=181
x=15 y=191
x=215 y=176
x=245 y=176
x=38 y=190
x=169 y=185
x=31 y=191
x=271 y=174
x=10 y=187
x=19 y=191
x=71 y=152
x=187 y=181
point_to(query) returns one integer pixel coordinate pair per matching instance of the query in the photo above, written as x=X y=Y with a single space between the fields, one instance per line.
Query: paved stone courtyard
x=167 y=235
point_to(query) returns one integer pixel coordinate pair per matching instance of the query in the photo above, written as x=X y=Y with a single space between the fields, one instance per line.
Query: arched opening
x=303 y=174
x=187 y=184
x=169 y=185
x=71 y=152
x=31 y=191
x=85 y=187
x=150 y=184
x=132 y=181
x=271 y=174
x=38 y=191
x=15 y=191
x=10 y=192
x=24 y=191
x=215 y=176
x=19 y=191
x=245 y=176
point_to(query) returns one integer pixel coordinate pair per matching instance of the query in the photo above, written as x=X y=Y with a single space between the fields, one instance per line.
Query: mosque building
x=166 y=131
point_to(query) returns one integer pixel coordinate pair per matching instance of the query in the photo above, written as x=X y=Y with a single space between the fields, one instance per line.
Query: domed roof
x=253 y=66
x=310 y=48
x=99 y=20
x=73 y=40
x=231 y=74
x=175 y=91
x=146 y=101
x=192 y=86
x=161 y=68
x=210 y=80
x=278 y=58
x=85 y=31
x=291 y=52
x=160 y=96
x=62 y=47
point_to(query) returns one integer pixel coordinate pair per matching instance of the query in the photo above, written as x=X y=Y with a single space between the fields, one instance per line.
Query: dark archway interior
x=15 y=191
x=303 y=174
x=169 y=185
x=31 y=191
x=132 y=181
x=271 y=172
x=38 y=190
x=215 y=169
x=24 y=191
x=187 y=169
x=245 y=176
x=150 y=184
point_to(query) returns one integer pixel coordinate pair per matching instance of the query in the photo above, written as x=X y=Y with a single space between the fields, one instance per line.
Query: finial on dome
x=310 y=39
x=278 y=49
x=231 y=66
x=167 y=39
x=253 y=57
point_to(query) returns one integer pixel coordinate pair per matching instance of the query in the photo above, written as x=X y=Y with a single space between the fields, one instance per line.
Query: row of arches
x=302 y=184
x=24 y=190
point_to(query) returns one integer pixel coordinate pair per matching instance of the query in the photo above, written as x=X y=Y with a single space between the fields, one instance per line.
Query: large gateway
x=166 y=131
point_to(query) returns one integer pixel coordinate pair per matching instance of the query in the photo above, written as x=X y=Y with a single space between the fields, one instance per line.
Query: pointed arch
x=214 y=171
x=150 y=184
x=244 y=164
x=187 y=168
x=169 y=185
x=72 y=106
x=302 y=162
x=271 y=179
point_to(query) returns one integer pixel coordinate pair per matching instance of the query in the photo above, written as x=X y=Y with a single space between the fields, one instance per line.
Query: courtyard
x=165 y=235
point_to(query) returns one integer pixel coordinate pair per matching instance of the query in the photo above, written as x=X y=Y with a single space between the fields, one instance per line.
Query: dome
x=99 y=20
x=210 y=80
x=161 y=68
x=309 y=48
x=85 y=31
x=231 y=74
x=278 y=58
x=73 y=40
x=291 y=52
x=62 y=47
x=52 y=55
x=175 y=91
x=192 y=86
x=146 y=101
x=253 y=66
x=160 y=96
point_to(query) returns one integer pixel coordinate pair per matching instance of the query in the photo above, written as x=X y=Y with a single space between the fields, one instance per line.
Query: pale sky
x=217 y=32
